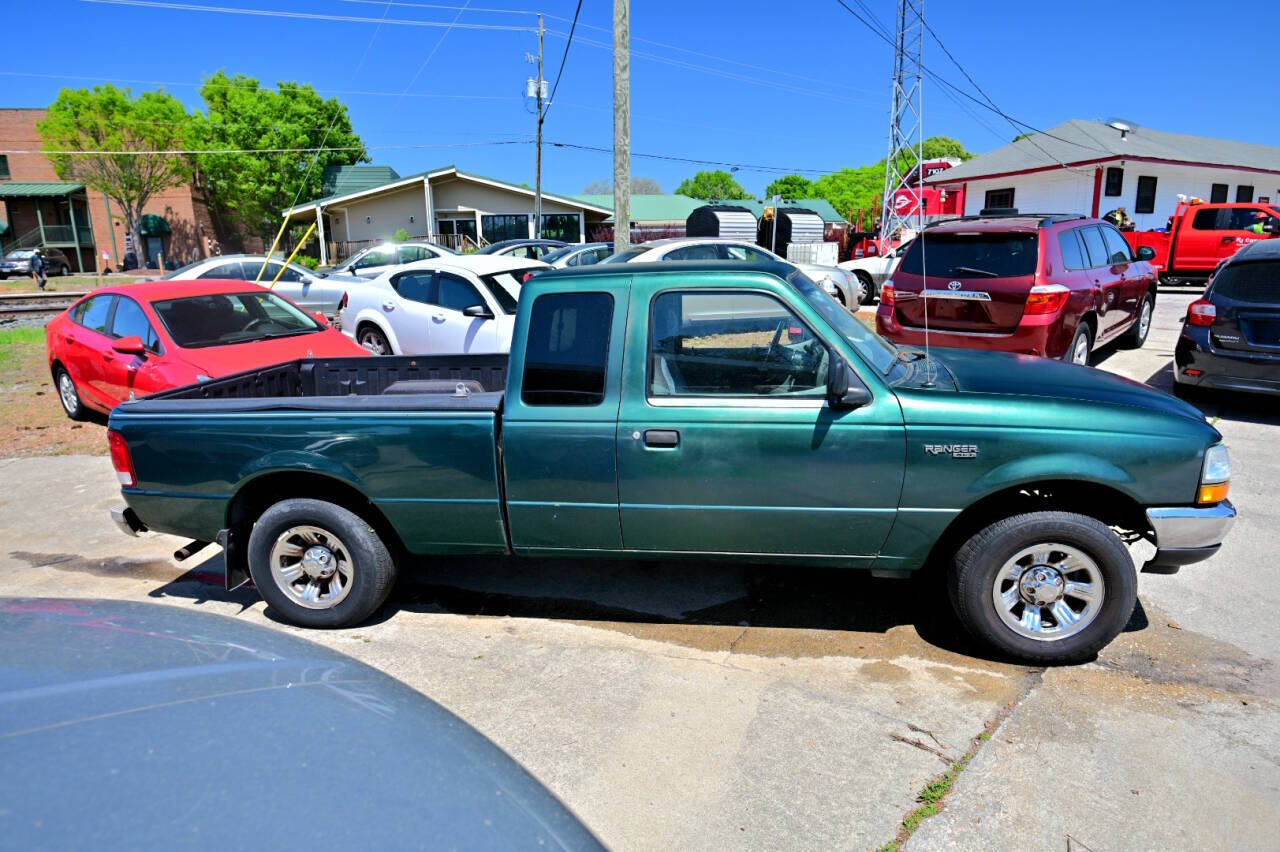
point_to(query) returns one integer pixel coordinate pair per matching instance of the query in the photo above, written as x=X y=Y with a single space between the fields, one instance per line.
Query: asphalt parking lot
x=718 y=706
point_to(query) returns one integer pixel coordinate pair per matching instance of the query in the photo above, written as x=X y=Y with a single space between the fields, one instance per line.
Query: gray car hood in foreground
x=146 y=726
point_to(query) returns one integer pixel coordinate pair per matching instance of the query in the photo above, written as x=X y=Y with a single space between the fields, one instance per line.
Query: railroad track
x=36 y=304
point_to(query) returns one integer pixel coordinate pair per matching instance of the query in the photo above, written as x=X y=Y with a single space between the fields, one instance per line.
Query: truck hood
x=977 y=371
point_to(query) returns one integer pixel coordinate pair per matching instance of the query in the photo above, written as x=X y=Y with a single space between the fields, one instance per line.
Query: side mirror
x=131 y=345
x=478 y=311
x=1146 y=253
x=842 y=393
x=1271 y=226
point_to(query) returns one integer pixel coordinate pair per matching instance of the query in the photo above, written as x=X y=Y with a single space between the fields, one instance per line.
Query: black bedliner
x=339 y=377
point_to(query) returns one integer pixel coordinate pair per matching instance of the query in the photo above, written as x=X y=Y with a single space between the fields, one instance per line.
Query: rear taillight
x=1046 y=299
x=886 y=294
x=1201 y=312
x=524 y=279
x=342 y=303
x=120 y=459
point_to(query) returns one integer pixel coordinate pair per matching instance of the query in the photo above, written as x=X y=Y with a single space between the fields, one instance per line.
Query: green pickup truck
x=691 y=410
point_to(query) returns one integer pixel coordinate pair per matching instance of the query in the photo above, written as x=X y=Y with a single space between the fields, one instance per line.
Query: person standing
x=38 y=271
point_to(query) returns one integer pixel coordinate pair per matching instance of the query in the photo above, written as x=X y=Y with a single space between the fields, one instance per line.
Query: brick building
x=38 y=209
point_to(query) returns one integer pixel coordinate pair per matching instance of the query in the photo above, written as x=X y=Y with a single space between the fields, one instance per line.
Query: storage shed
x=795 y=225
x=721 y=220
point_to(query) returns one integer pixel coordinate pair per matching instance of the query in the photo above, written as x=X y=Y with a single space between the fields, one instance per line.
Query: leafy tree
x=598 y=187
x=277 y=128
x=716 y=185
x=790 y=187
x=402 y=235
x=852 y=189
x=110 y=119
x=639 y=186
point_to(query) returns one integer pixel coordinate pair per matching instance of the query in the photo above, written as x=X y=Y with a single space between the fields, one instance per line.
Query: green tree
x=259 y=147
x=639 y=186
x=107 y=119
x=790 y=187
x=716 y=185
x=402 y=236
x=852 y=189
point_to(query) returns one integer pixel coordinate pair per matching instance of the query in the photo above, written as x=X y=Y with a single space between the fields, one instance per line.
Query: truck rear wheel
x=318 y=564
x=1044 y=587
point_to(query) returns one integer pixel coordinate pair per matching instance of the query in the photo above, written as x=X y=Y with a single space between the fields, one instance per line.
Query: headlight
x=1215 y=476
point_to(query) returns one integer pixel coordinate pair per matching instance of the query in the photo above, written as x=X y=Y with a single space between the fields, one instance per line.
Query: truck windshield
x=985 y=255
x=878 y=352
x=221 y=319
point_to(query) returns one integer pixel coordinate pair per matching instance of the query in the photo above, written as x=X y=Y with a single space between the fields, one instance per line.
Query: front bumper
x=1187 y=534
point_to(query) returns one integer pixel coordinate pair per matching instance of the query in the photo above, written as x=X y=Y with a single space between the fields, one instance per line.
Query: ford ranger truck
x=691 y=410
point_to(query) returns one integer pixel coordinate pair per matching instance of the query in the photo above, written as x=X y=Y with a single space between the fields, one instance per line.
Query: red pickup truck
x=1201 y=235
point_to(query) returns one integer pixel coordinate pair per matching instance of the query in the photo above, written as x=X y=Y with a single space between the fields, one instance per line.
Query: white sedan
x=873 y=270
x=451 y=305
x=295 y=282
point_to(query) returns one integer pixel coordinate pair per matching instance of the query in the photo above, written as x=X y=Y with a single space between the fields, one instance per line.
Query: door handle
x=662 y=438
x=438 y=317
x=388 y=306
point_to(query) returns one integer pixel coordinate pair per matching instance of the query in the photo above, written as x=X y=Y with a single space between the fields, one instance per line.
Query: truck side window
x=734 y=345
x=1205 y=220
x=567 y=355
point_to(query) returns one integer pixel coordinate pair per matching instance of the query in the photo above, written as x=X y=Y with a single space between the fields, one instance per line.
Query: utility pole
x=621 y=125
x=537 y=193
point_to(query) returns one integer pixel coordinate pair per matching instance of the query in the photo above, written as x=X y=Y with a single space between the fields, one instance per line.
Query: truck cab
x=1200 y=236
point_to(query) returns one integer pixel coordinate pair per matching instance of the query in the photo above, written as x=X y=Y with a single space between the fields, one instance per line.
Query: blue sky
x=798 y=84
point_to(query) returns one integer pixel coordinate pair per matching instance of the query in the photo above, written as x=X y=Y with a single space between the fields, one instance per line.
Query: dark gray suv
x=18 y=262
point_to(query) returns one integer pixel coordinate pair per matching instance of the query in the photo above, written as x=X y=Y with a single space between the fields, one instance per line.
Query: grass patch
x=32 y=422
x=70 y=283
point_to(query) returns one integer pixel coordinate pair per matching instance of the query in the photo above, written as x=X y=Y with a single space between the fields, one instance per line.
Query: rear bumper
x=1187 y=534
x=1223 y=369
x=1028 y=338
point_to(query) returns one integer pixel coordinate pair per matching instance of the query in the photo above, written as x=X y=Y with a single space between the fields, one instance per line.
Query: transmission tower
x=906 y=129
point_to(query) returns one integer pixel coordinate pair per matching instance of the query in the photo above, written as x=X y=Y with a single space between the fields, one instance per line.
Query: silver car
x=583 y=254
x=296 y=283
x=375 y=260
x=18 y=262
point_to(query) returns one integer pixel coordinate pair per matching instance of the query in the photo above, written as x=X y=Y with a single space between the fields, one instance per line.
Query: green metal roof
x=344 y=180
x=26 y=189
x=650 y=208
x=820 y=206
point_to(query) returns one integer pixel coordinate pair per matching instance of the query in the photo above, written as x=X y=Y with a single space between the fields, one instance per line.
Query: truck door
x=559 y=425
x=726 y=443
x=1201 y=239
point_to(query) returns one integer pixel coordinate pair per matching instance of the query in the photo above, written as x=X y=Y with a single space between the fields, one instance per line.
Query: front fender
x=1077 y=467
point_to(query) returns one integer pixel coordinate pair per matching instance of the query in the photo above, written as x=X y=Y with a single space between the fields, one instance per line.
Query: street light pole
x=537 y=193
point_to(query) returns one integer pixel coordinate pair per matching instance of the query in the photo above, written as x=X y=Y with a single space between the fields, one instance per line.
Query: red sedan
x=134 y=340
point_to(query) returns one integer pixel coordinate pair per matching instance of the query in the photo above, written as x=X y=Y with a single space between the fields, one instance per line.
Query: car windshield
x=1257 y=282
x=880 y=353
x=19 y=255
x=225 y=318
x=972 y=255
x=553 y=256
x=624 y=256
x=505 y=286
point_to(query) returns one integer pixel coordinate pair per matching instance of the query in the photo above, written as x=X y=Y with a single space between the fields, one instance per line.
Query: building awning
x=27 y=189
x=151 y=225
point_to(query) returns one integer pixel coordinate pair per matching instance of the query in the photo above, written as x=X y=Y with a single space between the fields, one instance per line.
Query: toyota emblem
x=954 y=285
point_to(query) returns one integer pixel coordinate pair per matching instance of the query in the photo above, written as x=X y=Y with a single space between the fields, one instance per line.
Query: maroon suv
x=1054 y=285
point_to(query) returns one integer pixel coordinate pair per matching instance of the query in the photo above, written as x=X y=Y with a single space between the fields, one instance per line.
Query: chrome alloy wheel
x=312 y=566
x=374 y=342
x=1080 y=354
x=1048 y=591
x=67 y=393
x=1144 y=320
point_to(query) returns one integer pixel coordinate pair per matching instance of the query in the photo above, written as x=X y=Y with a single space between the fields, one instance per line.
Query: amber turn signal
x=1215 y=493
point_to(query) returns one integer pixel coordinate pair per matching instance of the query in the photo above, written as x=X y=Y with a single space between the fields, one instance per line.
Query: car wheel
x=318 y=564
x=1081 y=343
x=1137 y=333
x=64 y=271
x=68 y=395
x=374 y=340
x=1045 y=587
x=866 y=288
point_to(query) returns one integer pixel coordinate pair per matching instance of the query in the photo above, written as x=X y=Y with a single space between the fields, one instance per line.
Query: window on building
x=1218 y=193
x=1115 y=181
x=732 y=345
x=495 y=229
x=4 y=167
x=1244 y=194
x=998 y=198
x=561 y=226
x=1146 y=199
x=566 y=359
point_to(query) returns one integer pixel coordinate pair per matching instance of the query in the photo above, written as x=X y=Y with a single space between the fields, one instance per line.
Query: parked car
x=18 y=262
x=837 y=283
x=1053 y=285
x=375 y=260
x=449 y=305
x=158 y=726
x=1231 y=336
x=579 y=254
x=298 y=284
x=528 y=249
x=1201 y=235
x=132 y=340
x=695 y=409
x=872 y=271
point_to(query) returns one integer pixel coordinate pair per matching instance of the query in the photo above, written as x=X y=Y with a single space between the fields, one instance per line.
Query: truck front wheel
x=318 y=564
x=1045 y=587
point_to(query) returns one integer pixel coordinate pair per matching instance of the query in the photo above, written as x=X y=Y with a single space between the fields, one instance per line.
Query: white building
x=1093 y=167
x=369 y=204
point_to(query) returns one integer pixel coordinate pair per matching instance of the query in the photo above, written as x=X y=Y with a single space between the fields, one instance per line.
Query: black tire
x=977 y=564
x=372 y=338
x=1137 y=333
x=71 y=402
x=868 y=287
x=1083 y=330
x=372 y=575
x=64 y=270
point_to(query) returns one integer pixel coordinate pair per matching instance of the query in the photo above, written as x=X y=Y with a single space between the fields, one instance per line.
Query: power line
x=734 y=166
x=435 y=49
x=306 y=16
x=563 y=59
